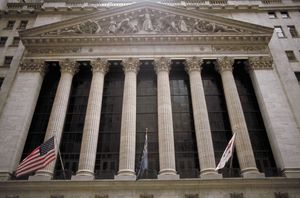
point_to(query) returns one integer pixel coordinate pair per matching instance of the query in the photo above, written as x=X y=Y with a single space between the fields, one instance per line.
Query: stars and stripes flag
x=227 y=153
x=144 y=159
x=39 y=158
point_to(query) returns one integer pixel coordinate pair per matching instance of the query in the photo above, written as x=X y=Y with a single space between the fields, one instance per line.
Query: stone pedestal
x=92 y=121
x=58 y=114
x=237 y=120
x=201 y=121
x=165 y=121
x=128 y=123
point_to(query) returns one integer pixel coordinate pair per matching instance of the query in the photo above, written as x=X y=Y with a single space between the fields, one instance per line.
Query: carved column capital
x=260 y=62
x=131 y=65
x=33 y=65
x=224 y=64
x=162 y=64
x=100 y=65
x=193 y=64
x=69 y=66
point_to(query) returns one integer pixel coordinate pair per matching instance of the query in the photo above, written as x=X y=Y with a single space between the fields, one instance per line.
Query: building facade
x=97 y=75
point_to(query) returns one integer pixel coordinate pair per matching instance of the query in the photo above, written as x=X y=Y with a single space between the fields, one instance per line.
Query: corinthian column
x=58 y=113
x=165 y=121
x=237 y=119
x=128 y=123
x=92 y=121
x=201 y=121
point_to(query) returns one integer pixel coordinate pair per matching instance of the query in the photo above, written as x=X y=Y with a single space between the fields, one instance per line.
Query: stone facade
x=219 y=31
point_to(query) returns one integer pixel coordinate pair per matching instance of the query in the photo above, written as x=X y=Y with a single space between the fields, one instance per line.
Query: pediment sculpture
x=145 y=21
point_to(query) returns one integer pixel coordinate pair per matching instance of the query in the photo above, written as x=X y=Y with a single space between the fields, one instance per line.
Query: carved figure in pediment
x=147 y=23
x=127 y=25
x=90 y=27
x=167 y=24
x=182 y=25
x=112 y=28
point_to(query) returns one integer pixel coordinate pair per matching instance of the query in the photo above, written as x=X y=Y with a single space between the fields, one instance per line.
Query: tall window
x=15 y=41
x=107 y=158
x=3 y=41
x=1 y=82
x=72 y=133
x=293 y=31
x=218 y=116
x=279 y=32
x=291 y=56
x=42 y=111
x=147 y=118
x=23 y=24
x=297 y=74
x=7 y=60
x=256 y=128
x=10 y=25
x=187 y=163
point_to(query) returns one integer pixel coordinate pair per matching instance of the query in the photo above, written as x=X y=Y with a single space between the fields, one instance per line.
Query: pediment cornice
x=146 y=23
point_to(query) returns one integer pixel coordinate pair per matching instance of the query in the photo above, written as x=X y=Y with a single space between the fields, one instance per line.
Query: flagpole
x=60 y=158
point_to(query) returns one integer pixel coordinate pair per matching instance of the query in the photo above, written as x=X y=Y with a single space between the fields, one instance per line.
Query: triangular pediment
x=143 y=20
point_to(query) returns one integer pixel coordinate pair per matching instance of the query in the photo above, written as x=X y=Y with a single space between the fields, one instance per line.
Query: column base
x=252 y=173
x=4 y=175
x=291 y=172
x=210 y=173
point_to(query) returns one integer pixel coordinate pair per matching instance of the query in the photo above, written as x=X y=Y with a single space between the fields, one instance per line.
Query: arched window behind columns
x=256 y=128
x=72 y=133
x=187 y=163
x=107 y=158
x=39 y=123
x=218 y=116
x=147 y=118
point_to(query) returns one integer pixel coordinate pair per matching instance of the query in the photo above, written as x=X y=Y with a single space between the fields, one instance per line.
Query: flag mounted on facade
x=39 y=158
x=227 y=153
x=144 y=158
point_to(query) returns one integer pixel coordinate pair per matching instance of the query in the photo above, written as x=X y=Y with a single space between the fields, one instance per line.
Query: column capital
x=224 y=64
x=33 y=65
x=100 y=65
x=162 y=64
x=131 y=65
x=193 y=64
x=69 y=66
x=260 y=62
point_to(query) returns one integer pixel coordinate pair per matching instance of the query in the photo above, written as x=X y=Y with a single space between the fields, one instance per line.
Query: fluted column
x=165 y=121
x=201 y=120
x=92 y=121
x=128 y=123
x=237 y=119
x=58 y=113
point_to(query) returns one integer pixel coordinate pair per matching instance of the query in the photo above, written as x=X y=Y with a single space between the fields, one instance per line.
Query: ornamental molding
x=260 y=63
x=162 y=64
x=33 y=65
x=100 y=65
x=224 y=64
x=193 y=64
x=131 y=65
x=69 y=66
x=145 y=23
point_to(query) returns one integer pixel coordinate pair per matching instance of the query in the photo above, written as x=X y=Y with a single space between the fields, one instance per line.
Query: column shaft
x=92 y=121
x=128 y=123
x=165 y=122
x=237 y=120
x=58 y=114
x=201 y=121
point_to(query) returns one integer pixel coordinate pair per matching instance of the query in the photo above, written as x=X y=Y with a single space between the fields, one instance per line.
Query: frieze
x=145 y=21
x=57 y=50
x=260 y=62
x=241 y=48
x=32 y=65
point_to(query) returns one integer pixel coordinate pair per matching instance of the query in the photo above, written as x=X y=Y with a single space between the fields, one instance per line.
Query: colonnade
x=162 y=65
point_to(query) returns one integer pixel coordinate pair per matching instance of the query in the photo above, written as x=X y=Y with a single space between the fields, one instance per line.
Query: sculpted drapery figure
x=147 y=24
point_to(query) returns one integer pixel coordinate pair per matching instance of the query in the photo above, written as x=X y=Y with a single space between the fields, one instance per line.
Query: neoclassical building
x=98 y=74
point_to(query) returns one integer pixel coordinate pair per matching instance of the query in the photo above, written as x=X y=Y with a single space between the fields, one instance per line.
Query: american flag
x=227 y=153
x=39 y=158
x=144 y=159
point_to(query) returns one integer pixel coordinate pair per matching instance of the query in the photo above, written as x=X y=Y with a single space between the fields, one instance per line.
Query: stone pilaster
x=201 y=120
x=92 y=122
x=128 y=123
x=280 y=123
x=17 y=113
x=237 y=119
x=165 y=121
x=58 y=113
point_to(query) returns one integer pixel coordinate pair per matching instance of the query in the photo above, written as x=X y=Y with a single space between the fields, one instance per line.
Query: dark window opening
x=147 y=118
x=10 y=25
x=39 y=123
x=15 y=41
x=260 y=143
x=3 y=41
x=1 y=81
x=72 y=133
x=107 y=157
x=293 y=31
x=23 y=24
x=186 y=154
x=272 y=15
x=7 y=61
